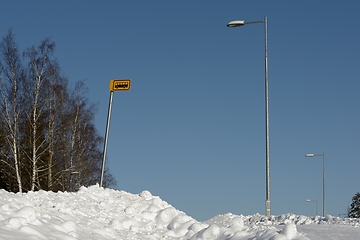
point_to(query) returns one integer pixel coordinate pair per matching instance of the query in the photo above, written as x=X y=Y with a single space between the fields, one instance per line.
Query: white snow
x=98 y=213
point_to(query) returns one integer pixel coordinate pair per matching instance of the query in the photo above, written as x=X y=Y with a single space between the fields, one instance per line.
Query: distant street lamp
x=239 y=23
x=308 y=200
x=77 y=179
x=323 y=157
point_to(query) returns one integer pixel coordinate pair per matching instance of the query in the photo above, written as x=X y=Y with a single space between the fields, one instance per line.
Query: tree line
x=354 y=208
x=48 y=139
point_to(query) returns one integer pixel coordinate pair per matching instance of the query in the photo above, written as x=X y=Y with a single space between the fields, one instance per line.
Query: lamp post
x=239 y=23
x=323 y=157
x=77 y=179
x=308 y=200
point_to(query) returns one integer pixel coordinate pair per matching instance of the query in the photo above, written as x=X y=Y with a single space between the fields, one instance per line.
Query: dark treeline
x=354 y=209
x=48 y=139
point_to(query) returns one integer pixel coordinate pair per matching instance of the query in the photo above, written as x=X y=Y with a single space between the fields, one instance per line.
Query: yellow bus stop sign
x=120 y=85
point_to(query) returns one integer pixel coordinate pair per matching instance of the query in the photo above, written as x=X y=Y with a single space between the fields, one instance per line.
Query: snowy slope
x=97 y=213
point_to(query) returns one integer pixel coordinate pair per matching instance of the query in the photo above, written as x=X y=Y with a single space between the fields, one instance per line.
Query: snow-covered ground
x=97 y=213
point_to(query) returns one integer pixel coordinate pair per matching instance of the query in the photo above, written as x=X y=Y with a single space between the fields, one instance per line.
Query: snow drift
x=97 y=213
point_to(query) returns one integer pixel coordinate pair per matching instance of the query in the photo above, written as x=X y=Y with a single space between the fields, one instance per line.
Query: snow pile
x=97 y=213
x=285 y=219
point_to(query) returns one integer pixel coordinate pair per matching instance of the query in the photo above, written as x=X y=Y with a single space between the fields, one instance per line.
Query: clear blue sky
x=192 y=128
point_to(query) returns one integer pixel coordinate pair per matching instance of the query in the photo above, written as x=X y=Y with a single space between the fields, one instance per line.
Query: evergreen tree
x=354 y=209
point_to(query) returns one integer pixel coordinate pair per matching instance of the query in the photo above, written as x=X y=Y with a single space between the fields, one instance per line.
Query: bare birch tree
x=57 y=93
x=12 y=74
x=47 y=133
x=38 y=74
x=82 y=139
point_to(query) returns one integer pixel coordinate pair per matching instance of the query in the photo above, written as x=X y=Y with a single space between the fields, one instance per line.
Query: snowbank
x=97 y=213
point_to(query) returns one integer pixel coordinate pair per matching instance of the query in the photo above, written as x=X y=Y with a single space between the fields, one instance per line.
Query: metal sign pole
x=106 y=137
x=115 y=85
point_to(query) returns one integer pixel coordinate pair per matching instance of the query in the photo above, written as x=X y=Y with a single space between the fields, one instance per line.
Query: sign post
x=120 y=85
x=115 y=85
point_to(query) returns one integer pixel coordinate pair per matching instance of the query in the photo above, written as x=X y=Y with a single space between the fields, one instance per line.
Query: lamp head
x=236 y=23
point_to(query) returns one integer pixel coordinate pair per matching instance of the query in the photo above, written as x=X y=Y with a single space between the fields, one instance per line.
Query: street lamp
x=239 y=23
x=323 y=157
x=308 y=200
x=77 y=179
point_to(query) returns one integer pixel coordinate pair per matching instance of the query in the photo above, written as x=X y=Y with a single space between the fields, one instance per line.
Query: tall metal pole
x=308 y=200
x=324 y=180
x=267 y=122
x=106 y=137
x=239 y=23
x=324 y=201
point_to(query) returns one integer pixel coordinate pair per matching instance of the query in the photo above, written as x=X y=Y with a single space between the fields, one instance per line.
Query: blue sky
x=192 y=128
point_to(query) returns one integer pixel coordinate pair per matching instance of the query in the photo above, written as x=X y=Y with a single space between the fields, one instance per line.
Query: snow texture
x=98 y=213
